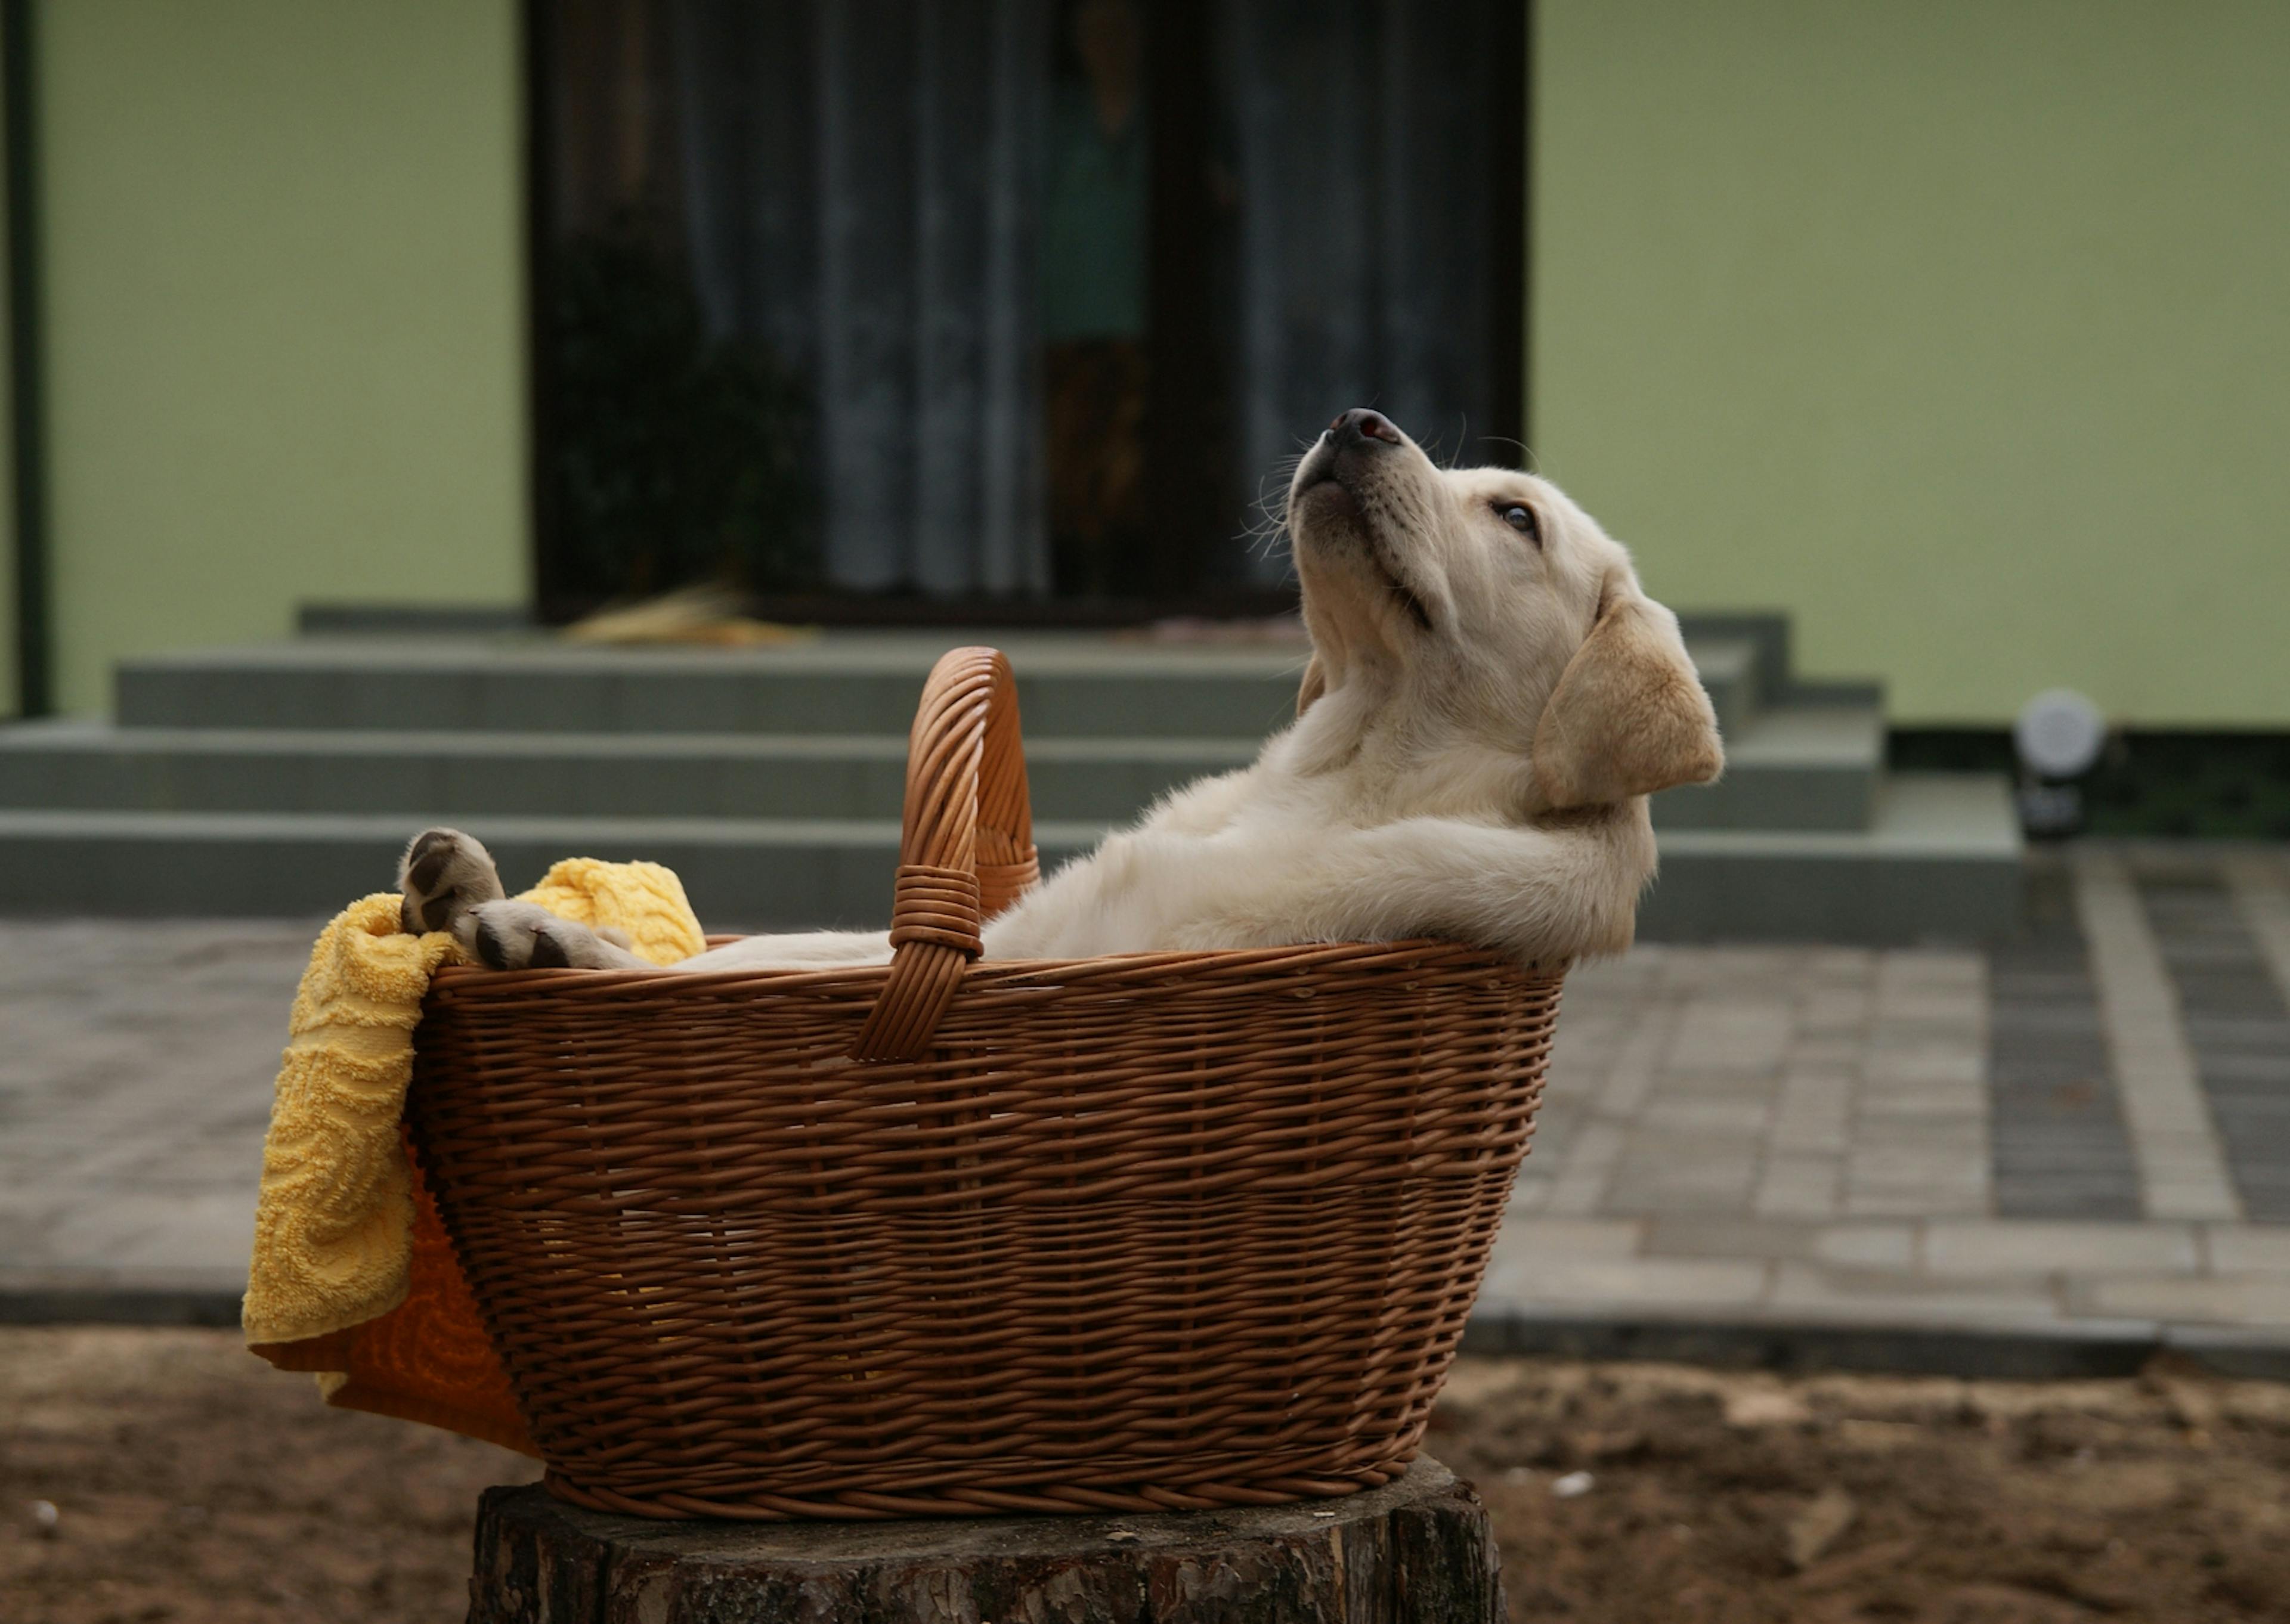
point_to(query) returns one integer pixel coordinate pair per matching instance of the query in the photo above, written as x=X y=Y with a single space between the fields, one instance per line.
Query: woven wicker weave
x=1176 y=1229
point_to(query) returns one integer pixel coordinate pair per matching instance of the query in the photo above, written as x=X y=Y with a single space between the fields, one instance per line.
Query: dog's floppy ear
x=1314 y=685
x=1628 y=716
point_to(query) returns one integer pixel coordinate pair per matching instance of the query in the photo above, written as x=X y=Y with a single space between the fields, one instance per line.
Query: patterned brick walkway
x=2083 y=1131
x=2087 y=1129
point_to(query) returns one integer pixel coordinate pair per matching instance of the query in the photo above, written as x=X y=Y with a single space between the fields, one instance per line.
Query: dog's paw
x=442 y=877
x=506 y=935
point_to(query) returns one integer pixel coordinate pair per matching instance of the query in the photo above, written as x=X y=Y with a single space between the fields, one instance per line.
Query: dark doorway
x=1009 y=309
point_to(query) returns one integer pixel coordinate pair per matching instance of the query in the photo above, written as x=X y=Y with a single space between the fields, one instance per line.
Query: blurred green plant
x=670 y=458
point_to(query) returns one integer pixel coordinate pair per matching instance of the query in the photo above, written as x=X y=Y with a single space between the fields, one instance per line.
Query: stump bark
x=1417 y=1551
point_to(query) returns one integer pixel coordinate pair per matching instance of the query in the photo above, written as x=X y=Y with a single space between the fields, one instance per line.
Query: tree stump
x=1417 y=1551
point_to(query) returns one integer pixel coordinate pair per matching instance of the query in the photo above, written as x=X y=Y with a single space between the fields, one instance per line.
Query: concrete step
x=1803 y=767
x=741 y=874
x=1943 y=863
x=1070 y=685
x=1731 y=670
x=456 y=776
x=1772 y=636
x=864 y=683
x=1792 y=767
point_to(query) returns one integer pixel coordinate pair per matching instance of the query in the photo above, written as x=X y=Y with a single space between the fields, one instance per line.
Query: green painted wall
x=284 y=284
x=1960 y=330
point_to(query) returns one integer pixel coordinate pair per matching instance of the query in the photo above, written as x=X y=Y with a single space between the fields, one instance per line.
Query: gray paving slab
x=134 y=1088
x=2061 y=1147
x=2237 y=1020
x=2182 y=1170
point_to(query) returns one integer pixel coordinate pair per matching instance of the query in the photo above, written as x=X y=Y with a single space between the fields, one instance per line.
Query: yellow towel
x=353 y=1276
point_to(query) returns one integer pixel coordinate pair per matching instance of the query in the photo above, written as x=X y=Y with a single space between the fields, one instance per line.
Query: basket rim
x=464 y=982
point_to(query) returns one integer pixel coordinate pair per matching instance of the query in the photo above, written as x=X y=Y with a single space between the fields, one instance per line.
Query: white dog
x=1490 y=700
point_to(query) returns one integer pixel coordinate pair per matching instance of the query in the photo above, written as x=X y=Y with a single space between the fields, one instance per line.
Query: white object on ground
x=2058 y=733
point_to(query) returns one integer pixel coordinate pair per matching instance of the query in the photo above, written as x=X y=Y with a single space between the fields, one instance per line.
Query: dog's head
x=1480 y=608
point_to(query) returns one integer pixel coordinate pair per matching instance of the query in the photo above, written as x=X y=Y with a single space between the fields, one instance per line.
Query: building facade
x=1956 y=331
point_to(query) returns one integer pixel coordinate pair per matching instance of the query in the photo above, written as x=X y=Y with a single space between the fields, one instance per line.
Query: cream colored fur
x=1483 y=718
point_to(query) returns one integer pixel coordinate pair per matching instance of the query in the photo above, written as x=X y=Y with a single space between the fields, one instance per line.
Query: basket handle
x=966 y=849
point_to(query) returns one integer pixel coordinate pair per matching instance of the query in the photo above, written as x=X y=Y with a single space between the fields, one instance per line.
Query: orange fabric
x=429 y=1359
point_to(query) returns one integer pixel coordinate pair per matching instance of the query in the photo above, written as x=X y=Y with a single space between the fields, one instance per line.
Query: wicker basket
x=1169 y=1230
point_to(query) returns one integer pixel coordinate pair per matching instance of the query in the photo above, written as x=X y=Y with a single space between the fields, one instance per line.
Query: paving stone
x=2153 y=1063
x=1682 y=1114
x=1732 y=1035
x=1880 y=1246
x=1949 y=1010
x=2235 y=1021
x=1528 y=1197
x=1929 y=1141
x=1908 y=1065
x=2096 y=1198
x=1799 y=1186
x=1881 y=1100
x=2255 y=1025
x=196 y=1229
x=1909 y=1164
x=1804 y=1136
x=2006 y=1247
x=1834 y=1009
x=1869 y=1245
x=1584 y=1169
x=1673 y=1236
x=1962 y=1196
x=1922 y=966
x=1654 y=1196
x=1571 y=1237
x=1638 y=1283
x=1834 y=1291
x=2228 y=1300
x=2260 y=885
x=1637 y=1064
x=2270 y=1067
x=2063 y=1156
x=2245 y=1248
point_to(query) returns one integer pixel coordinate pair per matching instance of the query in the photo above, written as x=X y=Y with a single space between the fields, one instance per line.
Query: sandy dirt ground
x=166 y=1474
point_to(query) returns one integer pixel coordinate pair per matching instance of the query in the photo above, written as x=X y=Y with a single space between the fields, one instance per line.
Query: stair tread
x=84 y=823
x=1918 y=814
x=1787 y=735
x=1796 y=735
x=1917 y=811
x=862 y=654
x=1725 y=659
x=80 y=735
x=1046 y=653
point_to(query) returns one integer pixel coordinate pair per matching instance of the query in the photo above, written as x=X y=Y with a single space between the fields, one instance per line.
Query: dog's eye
x=1521 y=518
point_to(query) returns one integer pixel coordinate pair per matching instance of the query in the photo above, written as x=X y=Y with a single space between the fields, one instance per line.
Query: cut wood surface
x=1417 y=1551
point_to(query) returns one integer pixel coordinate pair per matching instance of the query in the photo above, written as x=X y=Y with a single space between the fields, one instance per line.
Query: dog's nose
x=1361 y=422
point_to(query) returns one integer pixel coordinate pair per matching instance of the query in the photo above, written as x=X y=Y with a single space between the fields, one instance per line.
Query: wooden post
x=1418 y=1551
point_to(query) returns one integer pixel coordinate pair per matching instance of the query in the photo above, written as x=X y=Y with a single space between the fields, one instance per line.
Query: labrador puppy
x=1490 y=698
